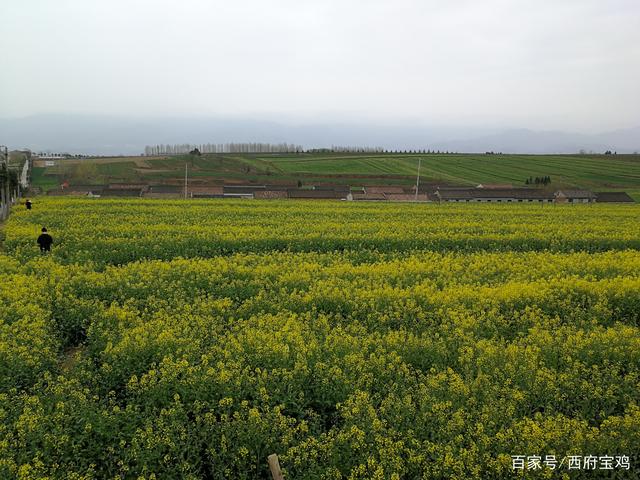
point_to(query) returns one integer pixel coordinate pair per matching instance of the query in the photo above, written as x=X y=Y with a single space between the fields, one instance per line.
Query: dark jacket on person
x=28 y=204
x=45 y=240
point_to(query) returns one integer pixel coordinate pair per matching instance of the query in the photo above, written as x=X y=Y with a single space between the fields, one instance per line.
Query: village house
x=270 y=194
x=277 y=187
x=84 y=190
x=613 y=197
x=242 y=189
x=575 y=196
x=367 y=196
x=406 y=197
x=385 y=189
x=205 y=191
x=318 y=194
x=333 y=187
x=121 y=192
x=142 y=187
x=495 y=186
x=165 y=191
x=496 y=195
x=77 y=190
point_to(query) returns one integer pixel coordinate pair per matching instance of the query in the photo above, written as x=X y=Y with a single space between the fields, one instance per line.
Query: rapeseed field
x=191 y=339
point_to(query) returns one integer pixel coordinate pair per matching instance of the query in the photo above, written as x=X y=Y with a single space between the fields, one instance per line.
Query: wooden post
x=418 y=178
x=274 y=466
x=185 y=181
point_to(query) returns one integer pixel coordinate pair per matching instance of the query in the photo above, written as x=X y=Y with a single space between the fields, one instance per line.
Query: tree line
x=546 y=180
x=255 y=147
x=184 y=148
x=350 y=149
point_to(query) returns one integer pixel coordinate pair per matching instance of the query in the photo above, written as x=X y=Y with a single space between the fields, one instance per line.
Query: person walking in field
x=45 y=240
x=28 y=204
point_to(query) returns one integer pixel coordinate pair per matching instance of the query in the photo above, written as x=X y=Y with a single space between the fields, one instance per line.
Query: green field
x=190 y=340
x=596 y=172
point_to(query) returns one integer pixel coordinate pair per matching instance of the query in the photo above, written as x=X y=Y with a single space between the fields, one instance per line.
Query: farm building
x=368 y=196
x=495 y=186
x=333 y=187
x=509 y=195
x=234 y=195
x=56 y=192
x=242 y=189
x=121 y=192
x=278 y=187
x=205 y=191
x=317 y=194
x=457 y=195
x=164 y=191
x=270 y=194
x=77 y=190
x=384 y=189
x=83 y=189
x=431 y=189
x=129 y=186
x=613 y=197
x=406 y=197
x=575 y=196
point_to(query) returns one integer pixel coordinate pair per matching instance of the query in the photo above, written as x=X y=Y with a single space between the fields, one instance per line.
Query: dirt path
x=71 y=357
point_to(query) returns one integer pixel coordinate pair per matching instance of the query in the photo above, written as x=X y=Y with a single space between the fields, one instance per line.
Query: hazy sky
x=565 y=64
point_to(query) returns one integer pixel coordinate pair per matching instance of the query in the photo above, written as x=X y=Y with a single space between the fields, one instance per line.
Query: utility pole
x=185 y=180
x=418 y=178
x=5 y=196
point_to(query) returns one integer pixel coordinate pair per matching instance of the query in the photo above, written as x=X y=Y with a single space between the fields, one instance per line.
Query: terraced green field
x=619 y=171
x=596 y=172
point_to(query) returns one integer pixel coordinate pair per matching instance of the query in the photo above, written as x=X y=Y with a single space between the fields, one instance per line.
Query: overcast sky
x=545 y=64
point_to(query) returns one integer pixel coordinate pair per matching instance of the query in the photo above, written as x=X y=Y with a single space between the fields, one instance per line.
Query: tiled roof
x=324 y=194
x=575 y=194
x=482 y=193
x=406 y=197
x=207 y=195
x=166 y=189
x=495 y=185
x=121 y=192
x=613 y=197
x=464 y=194
x=280 y=186
x=206 y=190
x=271 y=194
x=369 y=196
x=127 y=186
x=242 y=188
x=333 y=187
x=164 y=195
x=385 y=189
x=85 y=188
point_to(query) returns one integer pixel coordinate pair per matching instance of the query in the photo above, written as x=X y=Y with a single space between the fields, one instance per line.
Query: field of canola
x=192 y=339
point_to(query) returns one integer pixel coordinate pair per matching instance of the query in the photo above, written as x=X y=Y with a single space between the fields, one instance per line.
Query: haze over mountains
x=113 y=135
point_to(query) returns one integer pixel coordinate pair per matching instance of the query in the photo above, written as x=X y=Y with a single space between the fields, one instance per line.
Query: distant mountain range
x=113 y=135
x=530 y=141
